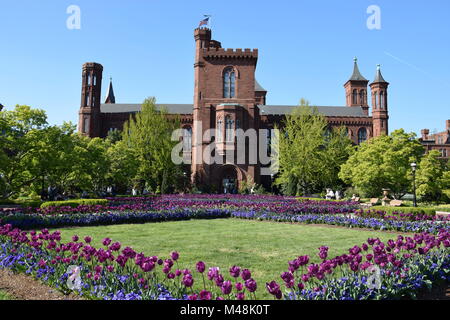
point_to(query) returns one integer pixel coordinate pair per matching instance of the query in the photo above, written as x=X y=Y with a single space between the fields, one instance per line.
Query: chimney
x=425 y=133
x=447 y=125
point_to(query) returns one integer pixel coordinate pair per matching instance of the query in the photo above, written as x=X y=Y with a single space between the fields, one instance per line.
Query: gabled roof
x=327 y=111
x=136 y=107
x=264 y=109
x=356 y=75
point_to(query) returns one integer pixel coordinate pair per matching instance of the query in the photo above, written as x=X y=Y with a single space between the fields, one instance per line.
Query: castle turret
x=380 y=114
x=356 y=89
x=91 y=87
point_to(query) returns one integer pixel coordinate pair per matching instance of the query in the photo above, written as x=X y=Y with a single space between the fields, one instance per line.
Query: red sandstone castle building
x=228 y=97
x=438 y=141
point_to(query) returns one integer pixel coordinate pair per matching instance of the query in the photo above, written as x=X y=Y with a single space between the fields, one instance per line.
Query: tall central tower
x=224 y=100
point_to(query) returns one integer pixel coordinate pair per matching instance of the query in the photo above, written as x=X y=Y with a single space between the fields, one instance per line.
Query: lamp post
x=271 y=183
x=413 y=167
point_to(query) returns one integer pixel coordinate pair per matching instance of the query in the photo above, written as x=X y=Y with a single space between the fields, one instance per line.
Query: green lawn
x=263 y=247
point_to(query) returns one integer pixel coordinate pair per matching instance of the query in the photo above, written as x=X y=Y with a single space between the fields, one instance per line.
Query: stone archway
x=230 y=178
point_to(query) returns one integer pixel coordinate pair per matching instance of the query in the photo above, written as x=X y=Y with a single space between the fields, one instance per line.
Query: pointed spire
x=110 y=98
x=356 y=76
x=378 y=77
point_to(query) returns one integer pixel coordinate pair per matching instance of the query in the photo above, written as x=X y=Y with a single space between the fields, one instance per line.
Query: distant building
x=226 y=97
x=438 y=141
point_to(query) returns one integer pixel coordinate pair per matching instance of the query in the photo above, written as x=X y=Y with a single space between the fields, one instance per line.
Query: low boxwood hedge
x=74 y=203
x=318 y=199
x=429 y=211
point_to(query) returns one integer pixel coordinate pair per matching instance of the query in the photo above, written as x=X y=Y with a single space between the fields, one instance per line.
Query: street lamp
x=413 y=167
x=271 y=183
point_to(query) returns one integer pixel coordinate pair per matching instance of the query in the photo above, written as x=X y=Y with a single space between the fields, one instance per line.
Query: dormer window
x=229 y=83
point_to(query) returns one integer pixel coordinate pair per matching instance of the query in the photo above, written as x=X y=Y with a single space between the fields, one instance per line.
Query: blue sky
x=306 y=49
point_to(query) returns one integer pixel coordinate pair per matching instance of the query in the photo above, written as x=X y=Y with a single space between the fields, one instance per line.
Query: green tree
x=383 y=162
x=124 y=166
x=20 y=131
x=310 y=155
x=149 y=133
x=430 y=177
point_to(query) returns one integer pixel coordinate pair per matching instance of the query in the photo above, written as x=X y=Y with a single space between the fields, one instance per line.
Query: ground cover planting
x=121 y=210
x=112 y=270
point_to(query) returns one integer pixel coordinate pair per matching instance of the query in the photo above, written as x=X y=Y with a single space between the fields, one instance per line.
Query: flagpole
x=209 y=20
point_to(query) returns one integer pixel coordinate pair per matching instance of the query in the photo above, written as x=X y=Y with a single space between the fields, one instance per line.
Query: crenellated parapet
x=218 y=53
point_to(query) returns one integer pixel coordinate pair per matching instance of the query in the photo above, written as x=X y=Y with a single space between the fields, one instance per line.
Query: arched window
x=229 y=83
x=362 y=135
x=88 y=79
x=219 y=130
x=362 y=97
x=229 y=123
x=355 y=96
x=187 y=139
x=382 y=100
x=375 y=100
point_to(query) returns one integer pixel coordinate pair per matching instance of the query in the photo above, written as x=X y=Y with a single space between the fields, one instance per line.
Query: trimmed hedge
x=429 y=211
x=25 y=203
x=443 y=208
x=318 y=199
x=74 y=203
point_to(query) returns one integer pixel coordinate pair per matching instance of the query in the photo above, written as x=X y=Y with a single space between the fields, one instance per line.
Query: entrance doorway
x=229 y=181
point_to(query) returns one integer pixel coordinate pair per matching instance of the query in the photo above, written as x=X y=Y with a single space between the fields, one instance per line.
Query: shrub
x=429 y=211
x=74 y=203
x=318 y=199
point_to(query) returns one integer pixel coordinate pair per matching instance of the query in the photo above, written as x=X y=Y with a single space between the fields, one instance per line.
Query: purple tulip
x=235 y=271
x=246 y=274
x=226 y=287
x=201 y=266
x=188 y=280
x=251 y=285
x=205 y=295
x=175 y=255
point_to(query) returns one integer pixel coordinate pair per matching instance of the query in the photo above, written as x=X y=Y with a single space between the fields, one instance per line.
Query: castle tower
x=356 y=89
x=91 y=87
x=380 y=114
x=224 y=100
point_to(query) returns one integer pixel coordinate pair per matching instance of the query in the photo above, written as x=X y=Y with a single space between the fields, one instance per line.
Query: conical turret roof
x=356 y=76
x=378 y=77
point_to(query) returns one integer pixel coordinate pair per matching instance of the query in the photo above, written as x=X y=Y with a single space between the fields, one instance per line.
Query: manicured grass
x=5 y=296
x=262 y=247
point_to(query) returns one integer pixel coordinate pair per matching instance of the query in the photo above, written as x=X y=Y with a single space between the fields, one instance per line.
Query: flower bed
x=38 y=221
x=349 y=221
x=176 y=207
x=406 y=266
